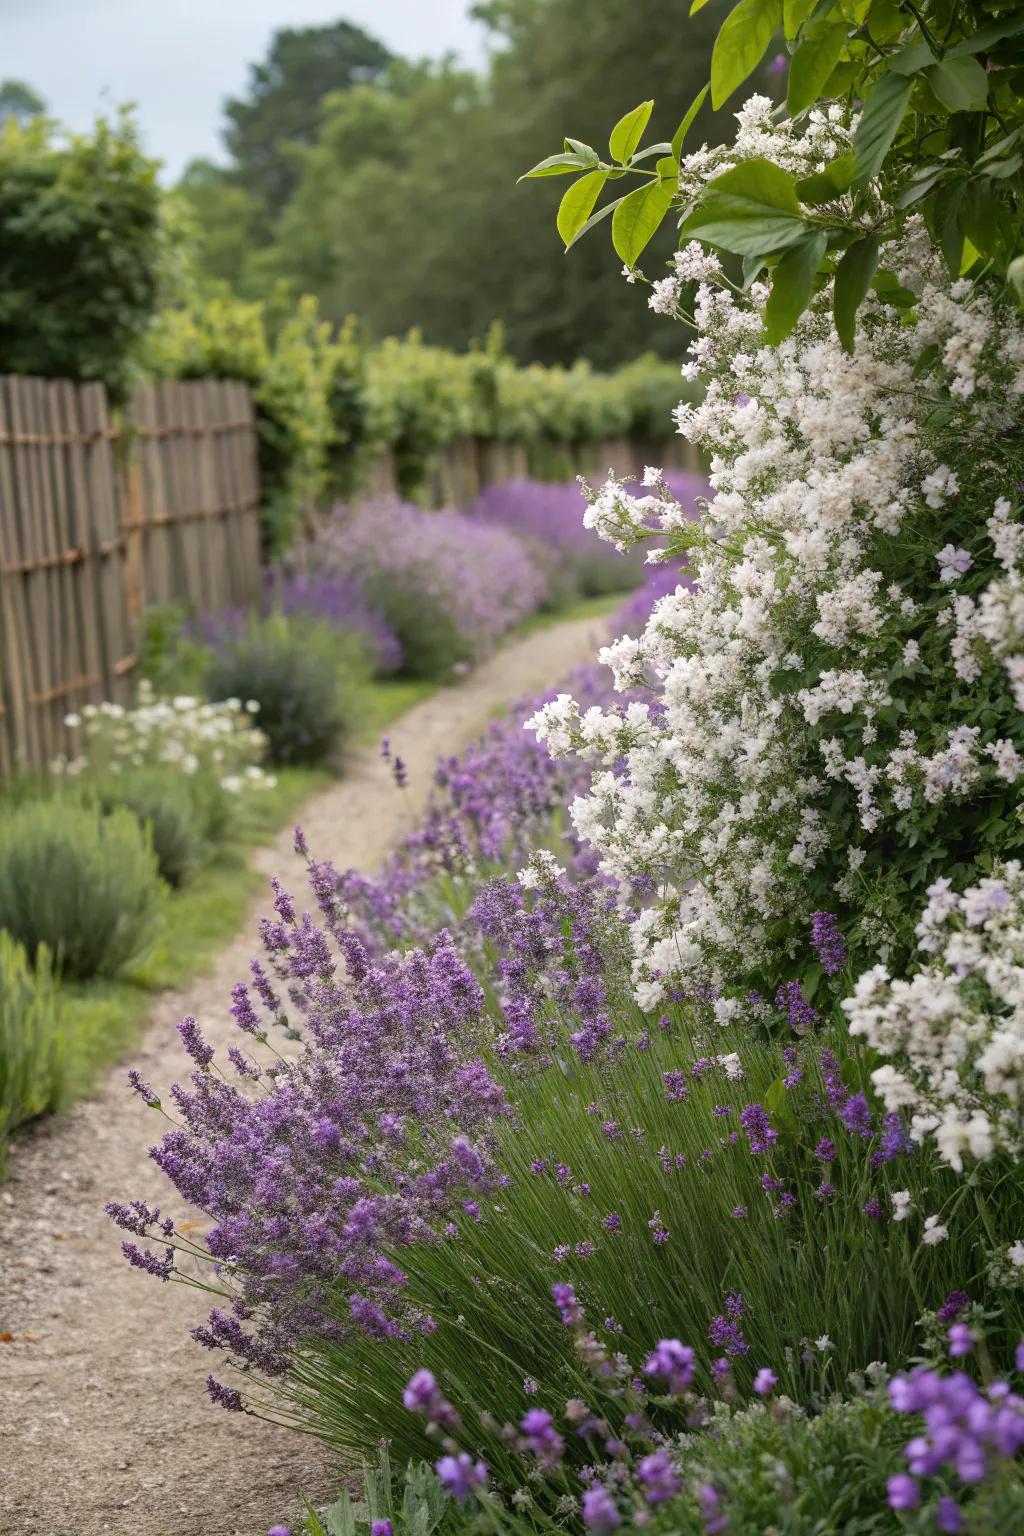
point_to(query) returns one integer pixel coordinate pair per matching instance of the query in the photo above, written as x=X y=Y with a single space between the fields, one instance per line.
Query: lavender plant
x=447 y=587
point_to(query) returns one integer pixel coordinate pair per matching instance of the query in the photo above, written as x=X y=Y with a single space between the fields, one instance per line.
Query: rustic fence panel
x=194 y=498
x=64 y=638
x=96 y=525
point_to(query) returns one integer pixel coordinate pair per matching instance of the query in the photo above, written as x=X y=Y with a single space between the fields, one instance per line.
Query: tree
x=282 y=107
x=81 y=246
x=20 y=102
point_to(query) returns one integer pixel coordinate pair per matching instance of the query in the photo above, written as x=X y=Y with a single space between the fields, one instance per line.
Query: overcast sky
x=178 y=59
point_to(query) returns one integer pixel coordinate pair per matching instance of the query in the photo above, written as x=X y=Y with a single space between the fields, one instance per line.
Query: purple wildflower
x=659 y=1477
x=765 y=1381
x=790 y=1000
x=460 y=1475
x=192 y=1040
x=674 y=1362
x=565 y=1300
x=224 y=1397
x=754 y=1120
x=599 y=1510
x=828 y=941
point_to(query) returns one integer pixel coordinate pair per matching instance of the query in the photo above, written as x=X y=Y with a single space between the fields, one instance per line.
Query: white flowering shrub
x=838 y=699
x=187 y=734
x=952 y=1035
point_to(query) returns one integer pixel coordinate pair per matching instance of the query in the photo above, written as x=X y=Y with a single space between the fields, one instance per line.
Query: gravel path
x=104 y=1422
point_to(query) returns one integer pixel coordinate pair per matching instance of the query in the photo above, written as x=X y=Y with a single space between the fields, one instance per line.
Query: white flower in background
x=902 y=1204
x=934 y=1232
x=954 y=1031
x=953 y=563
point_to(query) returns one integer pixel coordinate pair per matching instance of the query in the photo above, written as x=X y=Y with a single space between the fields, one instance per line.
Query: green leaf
x=812 y=65
x=775 y=1096
x=761 y=183
x=697 y=5
x=793 y=286
x=824 y=186
x=577 y=204
x=794 y=14
x=1009 y=26
x=960 y=84
x=1015 y=277
x=679 y=137
x=911 y=59
x=853 y=279
x=891 y=291
x=578 y=147
x=558 y=165
x=595 y=218
x=751 y=210
x=637 y=218
x=628 y=132
x=883 y=112
x=946 y=206
x=740 y=45
x=652 y=149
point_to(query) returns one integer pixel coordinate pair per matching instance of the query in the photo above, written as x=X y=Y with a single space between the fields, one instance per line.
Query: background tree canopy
x=388 y=188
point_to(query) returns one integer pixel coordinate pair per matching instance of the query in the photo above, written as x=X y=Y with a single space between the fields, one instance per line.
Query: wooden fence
x=97 y=520
x=100 y=518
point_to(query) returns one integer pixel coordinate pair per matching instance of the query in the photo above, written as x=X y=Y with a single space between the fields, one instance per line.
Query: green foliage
x=373 y=163
x=432 y=644
x=940 y=90
x=305 y=678
x=280 y=113
x=20 y=101
x=31 y=1039
x=166 y=805
x=83 y=884
x=80 y=250
x=169 y=661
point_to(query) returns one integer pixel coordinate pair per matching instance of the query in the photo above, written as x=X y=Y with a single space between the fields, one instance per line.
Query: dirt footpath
x=105 y=1425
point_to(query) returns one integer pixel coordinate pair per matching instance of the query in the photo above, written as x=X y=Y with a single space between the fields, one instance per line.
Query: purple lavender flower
x=902 y=1492
x=659 y=1477
x=828 y=941
x=381 y=1528
x=754 y=1120
x=674 y=1362
x=799 y=1013
x=460 y=1475
x=224 y=1397
x=961 y=1340
x=565 y=1300
x=765 y=1382
x=143 y=1090
x=541 y=1436
x=948 y=1518
x=953 y=1305
x=599 y=1510
x=192 y=1040
x=856 y=1115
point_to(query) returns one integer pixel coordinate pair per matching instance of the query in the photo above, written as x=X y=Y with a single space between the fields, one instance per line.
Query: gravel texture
x=105 y=1425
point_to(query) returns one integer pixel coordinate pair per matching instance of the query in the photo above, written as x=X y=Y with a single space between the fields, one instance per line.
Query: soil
x=105 y=1425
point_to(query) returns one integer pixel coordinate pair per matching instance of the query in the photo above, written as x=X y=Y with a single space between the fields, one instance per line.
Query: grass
x=583 y=608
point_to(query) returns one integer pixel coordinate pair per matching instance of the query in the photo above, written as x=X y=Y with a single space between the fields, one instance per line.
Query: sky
x=178 y=59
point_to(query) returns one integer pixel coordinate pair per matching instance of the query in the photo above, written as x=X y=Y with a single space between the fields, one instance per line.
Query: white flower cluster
x=814 y=661
x=183 y=733
x=953 y=1033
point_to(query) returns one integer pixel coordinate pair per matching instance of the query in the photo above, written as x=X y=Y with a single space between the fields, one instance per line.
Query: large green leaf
x=978 y=42
x=740 y=45
x=752 y=210
x=638 y=216
x=792 y=286
x=794 y=14
x=960 y=84
x=949 y=230
x=595 y=218
x=884 y=109
x=679 y=137
x=628 y=132
x=576 y=206
x=852 y=281
x=812 y=65
x=824 y=186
